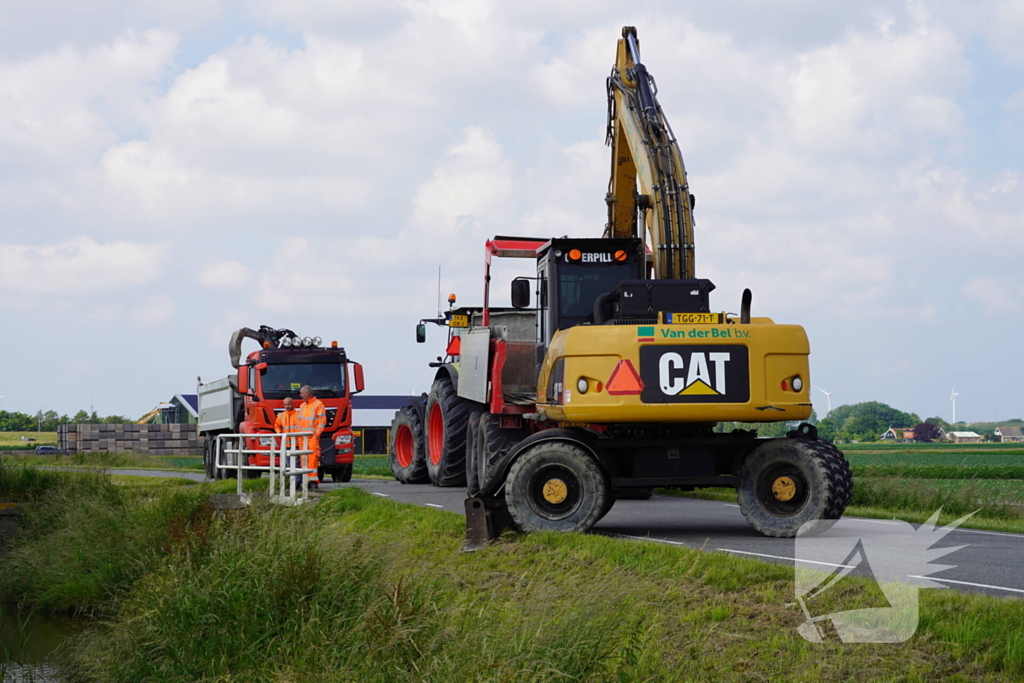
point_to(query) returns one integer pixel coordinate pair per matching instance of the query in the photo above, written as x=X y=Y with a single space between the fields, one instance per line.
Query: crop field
x=13 y=440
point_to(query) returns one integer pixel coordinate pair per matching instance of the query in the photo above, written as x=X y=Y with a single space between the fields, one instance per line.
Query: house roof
x=190 y=401
x=1009 y=431
x=961 y=435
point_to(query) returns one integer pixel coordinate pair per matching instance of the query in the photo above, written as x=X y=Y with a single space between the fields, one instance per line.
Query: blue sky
x=169 y=173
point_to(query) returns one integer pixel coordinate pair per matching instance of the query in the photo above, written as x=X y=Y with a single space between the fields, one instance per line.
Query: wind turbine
x=828 y=398
x=952 y=399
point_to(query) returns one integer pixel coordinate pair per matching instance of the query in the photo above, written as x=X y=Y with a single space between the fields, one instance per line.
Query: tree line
x=869 y=420
x=48 y=421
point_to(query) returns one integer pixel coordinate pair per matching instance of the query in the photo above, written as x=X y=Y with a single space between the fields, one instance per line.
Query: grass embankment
x=911 y=481
x=111 y=460
x=358 y=588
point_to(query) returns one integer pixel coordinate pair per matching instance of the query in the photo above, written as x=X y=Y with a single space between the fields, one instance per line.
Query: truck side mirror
x=260 y=367
x=357 y=370
x=421 y=333
x=520 y=293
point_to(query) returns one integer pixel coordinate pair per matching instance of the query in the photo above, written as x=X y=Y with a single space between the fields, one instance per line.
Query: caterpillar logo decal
x=709 y=373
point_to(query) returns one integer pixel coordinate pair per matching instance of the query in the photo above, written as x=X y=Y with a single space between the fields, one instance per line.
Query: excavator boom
x=648 y=179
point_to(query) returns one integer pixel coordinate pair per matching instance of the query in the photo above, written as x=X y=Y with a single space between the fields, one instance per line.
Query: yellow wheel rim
x=555 y=491
x=784 y=489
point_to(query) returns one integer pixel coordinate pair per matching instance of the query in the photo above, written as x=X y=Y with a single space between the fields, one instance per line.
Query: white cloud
x=1007 y=29
x=64 y=105
x=155 y=311
x=997 y=296
x=79 y=266
x=472 y=186
x=303 y=278
x=224 y=275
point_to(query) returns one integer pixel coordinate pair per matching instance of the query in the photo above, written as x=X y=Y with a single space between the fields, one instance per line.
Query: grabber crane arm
x=648 y=179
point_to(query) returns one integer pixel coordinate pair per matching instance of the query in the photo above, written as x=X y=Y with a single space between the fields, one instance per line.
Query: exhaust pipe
x=745 y=307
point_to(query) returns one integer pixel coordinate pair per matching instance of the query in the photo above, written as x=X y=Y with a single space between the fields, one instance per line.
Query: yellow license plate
x=458 y=320
x=692 y=318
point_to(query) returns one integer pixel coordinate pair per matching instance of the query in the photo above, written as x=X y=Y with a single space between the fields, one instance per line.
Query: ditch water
x=30 y=645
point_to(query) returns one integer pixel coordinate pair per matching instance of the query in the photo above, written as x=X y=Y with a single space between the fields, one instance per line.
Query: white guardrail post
x=284 y=465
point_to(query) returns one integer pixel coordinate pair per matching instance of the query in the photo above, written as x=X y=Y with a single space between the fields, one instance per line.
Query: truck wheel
x=406 y=450
x=342 y=474
x=209 y=443
x=785 y=483
x=447 y=419
x=556 y=486
x=474 y=450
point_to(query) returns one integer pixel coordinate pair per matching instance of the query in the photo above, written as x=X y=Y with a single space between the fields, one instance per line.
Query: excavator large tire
x=447 y=418
x=491 y=443
x=785 y=483
x=407 y=450
x=556 y=486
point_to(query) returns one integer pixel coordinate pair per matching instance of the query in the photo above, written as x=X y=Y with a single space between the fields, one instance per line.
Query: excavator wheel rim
x=555 y=491
x=784 y=488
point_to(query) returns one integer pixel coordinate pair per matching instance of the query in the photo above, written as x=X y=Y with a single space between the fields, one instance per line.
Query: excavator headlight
x=317 y=341
x=798 y=384
x=306 y=341
x=286 y=342
x=582 y=385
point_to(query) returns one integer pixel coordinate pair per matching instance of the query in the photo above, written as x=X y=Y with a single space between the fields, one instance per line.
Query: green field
x=12 y=440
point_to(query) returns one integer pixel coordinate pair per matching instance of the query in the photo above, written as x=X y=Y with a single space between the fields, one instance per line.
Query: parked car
x=50 y=450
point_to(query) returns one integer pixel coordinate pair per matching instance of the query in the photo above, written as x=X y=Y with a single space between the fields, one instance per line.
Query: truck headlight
x=266 y=441
x=342 y=439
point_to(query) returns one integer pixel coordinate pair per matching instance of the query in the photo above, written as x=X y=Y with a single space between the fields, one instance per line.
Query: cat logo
x=695 y=374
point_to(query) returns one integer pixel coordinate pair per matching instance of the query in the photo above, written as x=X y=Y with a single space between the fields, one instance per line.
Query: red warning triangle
x=624 y=380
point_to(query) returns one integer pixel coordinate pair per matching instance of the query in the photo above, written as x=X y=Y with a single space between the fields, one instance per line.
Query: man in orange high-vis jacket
x=288 y=421
x=312 y=418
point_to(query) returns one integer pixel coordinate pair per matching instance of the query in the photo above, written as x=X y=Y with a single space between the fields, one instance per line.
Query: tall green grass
x=359 y=589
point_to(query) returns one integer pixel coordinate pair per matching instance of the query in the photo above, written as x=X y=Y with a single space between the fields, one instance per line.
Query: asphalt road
x=989 y=562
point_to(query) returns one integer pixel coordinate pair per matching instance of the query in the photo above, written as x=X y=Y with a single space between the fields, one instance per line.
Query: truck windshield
x=580 y=286
x=326 y=379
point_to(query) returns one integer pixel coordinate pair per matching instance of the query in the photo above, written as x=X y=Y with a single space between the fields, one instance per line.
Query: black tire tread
x=416 y=472
x=519 y=508
x=451 y=470
x=836 y=479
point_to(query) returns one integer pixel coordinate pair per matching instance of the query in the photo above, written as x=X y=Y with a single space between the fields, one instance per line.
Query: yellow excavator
x=613 y=381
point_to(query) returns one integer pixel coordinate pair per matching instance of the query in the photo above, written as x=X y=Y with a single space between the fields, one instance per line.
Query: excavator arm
x=648 y=179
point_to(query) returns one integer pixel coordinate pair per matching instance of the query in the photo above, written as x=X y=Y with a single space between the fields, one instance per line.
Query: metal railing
x=285 y=464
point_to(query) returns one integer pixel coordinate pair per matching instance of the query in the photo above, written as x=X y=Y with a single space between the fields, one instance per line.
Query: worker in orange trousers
x=312 y=418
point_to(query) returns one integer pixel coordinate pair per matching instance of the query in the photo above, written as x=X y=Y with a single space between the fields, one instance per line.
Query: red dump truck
x=248 y=401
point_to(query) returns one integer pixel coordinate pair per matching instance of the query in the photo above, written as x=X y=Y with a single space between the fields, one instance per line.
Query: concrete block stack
x=171 y=439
